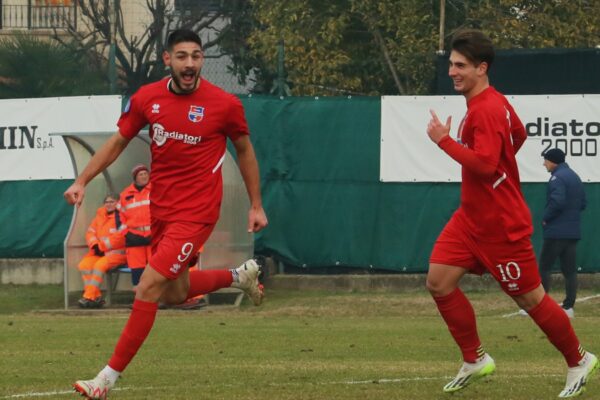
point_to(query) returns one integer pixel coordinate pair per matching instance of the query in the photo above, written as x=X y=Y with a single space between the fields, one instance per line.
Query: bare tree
x=139 y=58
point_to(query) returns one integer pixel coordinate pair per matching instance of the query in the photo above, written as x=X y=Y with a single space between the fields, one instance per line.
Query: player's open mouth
x=188 y=77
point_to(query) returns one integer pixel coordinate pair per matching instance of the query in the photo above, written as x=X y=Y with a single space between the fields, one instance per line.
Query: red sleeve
x=518 y=137
x=488 y=130
x=466 y=157
x=236 y=124
x=132 y=119
x=484 y=157
x=517 y=132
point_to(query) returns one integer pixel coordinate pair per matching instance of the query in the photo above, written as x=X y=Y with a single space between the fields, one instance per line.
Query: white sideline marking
x=55 y=393
x=363 y=382
x=581 y=300
x=400 y=380
x=39 y=394
x=396 y=380
x=587 y=298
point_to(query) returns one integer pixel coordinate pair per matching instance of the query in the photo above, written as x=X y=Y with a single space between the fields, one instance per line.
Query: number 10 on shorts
x=510 y=271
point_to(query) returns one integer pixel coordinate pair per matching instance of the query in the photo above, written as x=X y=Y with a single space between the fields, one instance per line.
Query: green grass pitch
x=297 y=346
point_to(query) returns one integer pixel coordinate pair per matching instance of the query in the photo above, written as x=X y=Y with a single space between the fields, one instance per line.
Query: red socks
x=553 y=321
x=135 y=332
x=549 y=316
x=460 y=318
x=143 y=314
x=207 y=281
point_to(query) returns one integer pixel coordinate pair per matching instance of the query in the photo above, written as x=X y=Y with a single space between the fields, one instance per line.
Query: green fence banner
x=319 y=161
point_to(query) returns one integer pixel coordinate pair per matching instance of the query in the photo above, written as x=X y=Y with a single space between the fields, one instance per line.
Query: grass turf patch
x=298 y=345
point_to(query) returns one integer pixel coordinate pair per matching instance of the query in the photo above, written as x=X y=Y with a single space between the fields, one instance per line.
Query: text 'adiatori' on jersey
x=160 y=136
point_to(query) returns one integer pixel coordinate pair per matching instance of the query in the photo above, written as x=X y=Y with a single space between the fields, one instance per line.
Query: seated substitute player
x=491 y=229
x=190 y=121
x=107 y=251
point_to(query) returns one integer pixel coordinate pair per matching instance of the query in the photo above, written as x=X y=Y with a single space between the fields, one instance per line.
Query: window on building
x=37 y=14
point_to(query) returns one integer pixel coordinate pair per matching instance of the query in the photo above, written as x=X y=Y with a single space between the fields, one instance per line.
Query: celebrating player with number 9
x=190 y=121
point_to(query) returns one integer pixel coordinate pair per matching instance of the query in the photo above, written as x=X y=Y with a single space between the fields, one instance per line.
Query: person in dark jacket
x=565 y=200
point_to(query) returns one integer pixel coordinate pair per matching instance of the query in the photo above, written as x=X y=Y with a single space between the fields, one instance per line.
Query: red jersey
x=492 y=204
x=189 y=134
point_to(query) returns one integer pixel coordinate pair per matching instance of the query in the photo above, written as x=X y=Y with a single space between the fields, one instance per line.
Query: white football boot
x=95 y=389
x=248 y=274
x=578 y=376
x=470 y=372
x=570 y=312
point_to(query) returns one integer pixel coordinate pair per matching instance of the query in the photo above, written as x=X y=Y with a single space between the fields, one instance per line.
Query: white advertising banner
x=27 y=152
x=568 y=122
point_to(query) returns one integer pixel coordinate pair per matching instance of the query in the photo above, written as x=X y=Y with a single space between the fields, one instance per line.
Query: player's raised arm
x=439 y=133
x=99 y=162
x=248 y=165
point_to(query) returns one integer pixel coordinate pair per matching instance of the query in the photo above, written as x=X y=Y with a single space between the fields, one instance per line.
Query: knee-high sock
x=135 y=332
x=553 y=321
x=460 y=318
x=207 y=281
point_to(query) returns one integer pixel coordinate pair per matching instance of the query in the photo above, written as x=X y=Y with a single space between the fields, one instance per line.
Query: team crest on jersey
x=196 y=114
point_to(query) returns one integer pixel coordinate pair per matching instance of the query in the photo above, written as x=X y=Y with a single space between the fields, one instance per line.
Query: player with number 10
x=491 y=230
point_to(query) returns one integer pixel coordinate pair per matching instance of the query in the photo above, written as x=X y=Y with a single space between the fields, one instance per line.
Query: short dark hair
x=182 y=35
x=474 y=45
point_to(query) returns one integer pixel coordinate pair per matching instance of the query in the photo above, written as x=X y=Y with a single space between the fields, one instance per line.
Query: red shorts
x=512 y=264
x=175 y=243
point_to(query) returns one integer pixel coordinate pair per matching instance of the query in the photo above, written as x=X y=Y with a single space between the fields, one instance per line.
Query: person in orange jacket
x=107 y=251
x=134 y=207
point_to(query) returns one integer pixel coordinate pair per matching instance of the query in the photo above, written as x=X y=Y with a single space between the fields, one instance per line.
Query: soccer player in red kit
x=492 y=227
x=190 y=121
